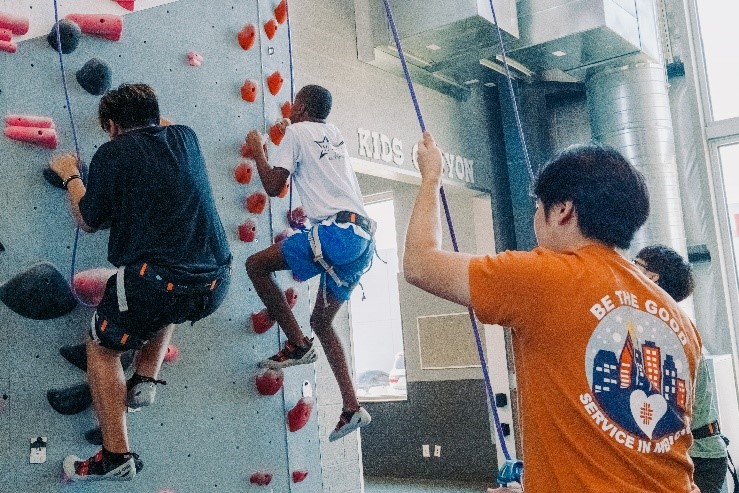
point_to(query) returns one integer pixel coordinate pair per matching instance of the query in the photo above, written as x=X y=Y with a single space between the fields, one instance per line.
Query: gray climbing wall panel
x=209 y=429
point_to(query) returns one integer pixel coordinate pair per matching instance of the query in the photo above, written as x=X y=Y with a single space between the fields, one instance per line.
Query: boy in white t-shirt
x=339 y=246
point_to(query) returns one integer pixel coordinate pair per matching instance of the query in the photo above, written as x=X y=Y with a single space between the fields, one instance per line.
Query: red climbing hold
x=291 y=295
x=276 y=133
x=89 y=285
x=300 y=475
x=126 y=4
x=261 y=322
x=247 y=231
x=249 y=91
x=6 y=34
x=255 y=202
x=8 y=46
x=246 y=150
x=285 y=233
x=262 y=478
x=270 y=28
x=243 y=173
x=246 y=36
x=299 y=415
x=286 y=109
x=44 y=137
x=285 y=188
x=194 y=59
x=274 y=82
x=29 y=121
x=106 y=26
x=281 y=12
x=16 y=24
x=270 y=381
x=172 y=354
x=296 y=218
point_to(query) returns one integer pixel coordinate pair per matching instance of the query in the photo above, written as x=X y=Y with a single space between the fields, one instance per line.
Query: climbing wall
x=210 y=429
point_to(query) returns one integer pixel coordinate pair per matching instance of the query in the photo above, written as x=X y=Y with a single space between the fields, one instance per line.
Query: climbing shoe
x=141 y=391
x=348 y=422
x=291 y=355
x=99 y=467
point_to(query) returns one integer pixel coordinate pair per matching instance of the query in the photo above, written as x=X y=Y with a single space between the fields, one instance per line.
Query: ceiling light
x=558 y=53
x=433 y=47
x=489 y=84
x=472 y=81
x=515 y=64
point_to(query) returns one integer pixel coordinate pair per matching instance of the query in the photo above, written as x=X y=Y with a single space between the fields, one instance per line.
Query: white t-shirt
x=316 y=155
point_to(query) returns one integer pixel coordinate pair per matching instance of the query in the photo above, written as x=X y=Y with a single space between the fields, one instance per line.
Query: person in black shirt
x=149 y=184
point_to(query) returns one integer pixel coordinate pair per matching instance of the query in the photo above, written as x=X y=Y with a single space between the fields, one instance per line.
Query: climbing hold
x=126 y=4
x=256 y=202
x=269 y=381
x=29 y=121
x=106 y=26
x=246 y=150
x=194 y=59
x=77 y=355
x=94 y=436
x=283 y=191
x=281 y=12
x=44 y=137
x=261 y=322
x=172 y=354
x=69 y=36
x=246 y=36
x=285 y=233
x=6 y=34
x=276 y=133
x=70 y=400
x=243 y=173
x=299 y=415
x=89 y=285
x=249 y=91
x=291 y=295
x=16 y=24
x=270 y=28
x=8 y=46
x=286 y=109
x=39 y=293
x=247 y=231
x=299 y=475
x=95 y=76
x=274 y=82
x=296 y=218
x=2 y=247
x=262 y=478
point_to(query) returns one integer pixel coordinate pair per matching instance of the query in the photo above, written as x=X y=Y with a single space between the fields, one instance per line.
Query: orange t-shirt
x=605 y=365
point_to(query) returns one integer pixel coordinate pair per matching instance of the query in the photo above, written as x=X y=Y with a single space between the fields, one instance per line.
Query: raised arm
x=273 y=179
x=425 y=264
x=67 y=169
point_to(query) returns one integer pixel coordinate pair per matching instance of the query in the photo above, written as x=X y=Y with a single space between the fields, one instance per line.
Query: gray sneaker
x=143 y=392
x=348 y=422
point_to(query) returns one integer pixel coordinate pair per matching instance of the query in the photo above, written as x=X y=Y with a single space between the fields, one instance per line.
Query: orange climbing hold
x=281 y=12
x=249 y=91
x=286 y=109
x=246 y=36
x=256 y=202
x=270 y=381
x=44 y=137
x=270 y=28
x=243 y=173
x=16 y=24
x=89 y=285
x=106 y=26
x=276 y=133
x=262 y=478
x=261 y=322
x=299 y=415
x=247 y=231
x=299 y=475
x=274 y=82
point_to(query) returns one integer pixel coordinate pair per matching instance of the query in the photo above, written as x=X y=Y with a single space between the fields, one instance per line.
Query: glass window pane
x=720 y=37
x=729 y=156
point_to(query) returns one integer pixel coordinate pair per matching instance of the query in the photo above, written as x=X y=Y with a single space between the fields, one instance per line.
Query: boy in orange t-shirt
x=605 y=360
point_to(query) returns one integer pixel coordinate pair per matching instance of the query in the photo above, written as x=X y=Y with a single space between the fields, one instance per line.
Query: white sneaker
x=348 y=422
x=143 y=393
x=98 y=468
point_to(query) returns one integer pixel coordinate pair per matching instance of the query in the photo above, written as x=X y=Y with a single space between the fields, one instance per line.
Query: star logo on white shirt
x=326 y=146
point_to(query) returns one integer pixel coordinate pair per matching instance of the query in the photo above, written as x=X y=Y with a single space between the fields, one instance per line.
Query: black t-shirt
x=151 y=185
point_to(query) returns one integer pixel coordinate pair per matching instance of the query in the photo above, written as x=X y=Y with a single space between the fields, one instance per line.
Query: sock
x=114 y=458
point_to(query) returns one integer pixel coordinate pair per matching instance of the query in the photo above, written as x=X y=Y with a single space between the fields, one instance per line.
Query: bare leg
x=260 y=267
x=149 y=358
x=321 y=321
x=108 y=388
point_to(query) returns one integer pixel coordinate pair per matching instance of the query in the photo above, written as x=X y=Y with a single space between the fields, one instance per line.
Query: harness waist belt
x=193 y=283
x=367 y=224
x=706 y=431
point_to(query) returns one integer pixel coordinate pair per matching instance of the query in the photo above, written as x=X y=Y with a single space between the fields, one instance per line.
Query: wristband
x=65 y=183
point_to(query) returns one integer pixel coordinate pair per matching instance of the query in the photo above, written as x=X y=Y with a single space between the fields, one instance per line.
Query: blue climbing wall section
x=209 y=430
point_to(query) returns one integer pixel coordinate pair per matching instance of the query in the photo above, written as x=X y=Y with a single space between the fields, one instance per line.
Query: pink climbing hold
x=247 y=231
x=5 y=34
x=194 y=59
x=243 y=173
x=8 y=46
x=256 y=202
x=299 y=475
x=44 y=137
x=29 y=121
x=270 y=28
x=106 y=26
x=269 y=381
x=274 y=82
x=247 y=36
x=172 y=354
x=261 y=322
x=89 y=285
x=285 y=233
x=281 y=12
x=299 y=415
x=246 y=151
x=262 y=478
x=296 y=218
x=291 y=295
x=126 y=4
x=16 y=24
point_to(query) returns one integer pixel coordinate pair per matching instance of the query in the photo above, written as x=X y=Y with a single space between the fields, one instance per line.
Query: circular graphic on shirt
x=638 y=372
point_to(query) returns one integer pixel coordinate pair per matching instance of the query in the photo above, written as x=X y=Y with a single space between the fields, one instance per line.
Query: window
x=376 y=324
x=729 y=157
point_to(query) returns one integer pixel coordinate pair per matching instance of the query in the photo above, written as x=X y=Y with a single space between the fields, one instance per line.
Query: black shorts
x=709 y=474
x=155 y=297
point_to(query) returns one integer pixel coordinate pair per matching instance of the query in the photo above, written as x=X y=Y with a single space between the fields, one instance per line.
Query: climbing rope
x=481 y=354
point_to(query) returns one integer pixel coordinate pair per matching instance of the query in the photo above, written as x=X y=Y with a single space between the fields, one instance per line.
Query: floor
x=393 y=485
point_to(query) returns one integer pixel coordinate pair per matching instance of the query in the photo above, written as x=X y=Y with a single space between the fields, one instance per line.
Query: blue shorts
x=348 y=253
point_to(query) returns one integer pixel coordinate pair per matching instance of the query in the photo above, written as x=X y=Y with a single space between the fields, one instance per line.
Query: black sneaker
x=348 y=422
x=292 y=355
x=98 y=468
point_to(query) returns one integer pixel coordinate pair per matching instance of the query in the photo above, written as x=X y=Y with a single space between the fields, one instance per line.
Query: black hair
x=317 y=101
x=129 y=106
x=609 y=195
x=675 y=273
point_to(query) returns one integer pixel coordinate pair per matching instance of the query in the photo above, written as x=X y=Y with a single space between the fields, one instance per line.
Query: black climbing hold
x=70 y=400
x=39 y=293
x=69 y=36
x=95 y=76
x=53 y=178
x=2 y=247
x=94 y=436
x=77 y=355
